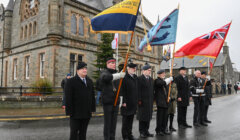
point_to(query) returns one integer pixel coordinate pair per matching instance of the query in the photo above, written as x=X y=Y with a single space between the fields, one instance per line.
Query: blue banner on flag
x=163 y=33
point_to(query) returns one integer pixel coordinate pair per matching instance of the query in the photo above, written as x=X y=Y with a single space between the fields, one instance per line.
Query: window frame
x=41 y=65
x=15 y=66
x=27 y=67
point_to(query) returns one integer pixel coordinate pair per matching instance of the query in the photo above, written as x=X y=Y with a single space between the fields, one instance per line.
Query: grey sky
x=198 y=17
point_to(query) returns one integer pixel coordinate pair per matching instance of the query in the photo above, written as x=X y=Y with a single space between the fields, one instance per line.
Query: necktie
x=84 y=80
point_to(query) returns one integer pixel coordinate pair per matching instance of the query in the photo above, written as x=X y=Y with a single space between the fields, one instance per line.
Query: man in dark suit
x=109 y=81
x=80 y=102
x=145 y=101
x=161 y=94
x=182 y=98
x=129 y=91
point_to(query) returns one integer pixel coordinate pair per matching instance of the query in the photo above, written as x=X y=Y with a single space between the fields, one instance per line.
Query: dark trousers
x=144 y=126
x=224 y=91
x=199 y=109
x=110 y=121
x=229 y=91
x=196 y=101
x=202 y=109
x=171 y=117
x=127 y=122
x=78 y=129
x=182 y=114
x=206 y=112
x=162 y=116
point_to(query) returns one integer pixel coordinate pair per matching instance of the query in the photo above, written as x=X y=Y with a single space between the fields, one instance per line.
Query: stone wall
x=30 y=102
x=54 y=38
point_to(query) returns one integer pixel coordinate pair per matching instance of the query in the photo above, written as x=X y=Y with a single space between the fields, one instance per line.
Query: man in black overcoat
x=80 y=102
x=183 y=97
x=109 y=81
x=161 y=94
x=145 y=101
x=129 y=91
x=198 y=95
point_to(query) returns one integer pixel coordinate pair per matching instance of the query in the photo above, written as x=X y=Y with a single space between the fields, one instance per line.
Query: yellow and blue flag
x=163 y=33
x=120 y=18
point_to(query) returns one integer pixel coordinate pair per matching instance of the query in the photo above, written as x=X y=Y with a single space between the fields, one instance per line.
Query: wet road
x=224 y=114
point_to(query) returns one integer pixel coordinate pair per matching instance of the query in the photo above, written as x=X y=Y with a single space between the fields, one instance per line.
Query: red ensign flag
x=208 y=45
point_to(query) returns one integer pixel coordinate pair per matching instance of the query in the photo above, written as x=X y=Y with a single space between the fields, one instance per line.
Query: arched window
x=123 y=38
x=25 y=32
x=136 y=41
x=30 y=30
x=21 y=33
x=129 y=37
x=73 y=24
x=34 y=27
x=81 y=26
x=99 y=36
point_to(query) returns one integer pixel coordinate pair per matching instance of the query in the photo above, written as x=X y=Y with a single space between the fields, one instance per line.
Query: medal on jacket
x=114 y=89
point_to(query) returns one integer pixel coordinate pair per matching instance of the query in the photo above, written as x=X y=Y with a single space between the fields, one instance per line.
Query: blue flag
x=163 y=33
x=120 y=18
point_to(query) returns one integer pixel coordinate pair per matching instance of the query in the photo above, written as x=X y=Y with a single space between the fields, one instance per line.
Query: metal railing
x=22 y=91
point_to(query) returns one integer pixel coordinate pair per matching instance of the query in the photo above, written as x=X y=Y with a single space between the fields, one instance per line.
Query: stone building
x=47 y=39
x=222 y=71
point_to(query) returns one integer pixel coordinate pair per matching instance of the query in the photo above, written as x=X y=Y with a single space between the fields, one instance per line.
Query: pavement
x=224 y=114
x=43 y=113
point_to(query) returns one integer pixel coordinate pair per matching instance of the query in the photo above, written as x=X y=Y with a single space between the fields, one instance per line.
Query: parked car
x=238 y=83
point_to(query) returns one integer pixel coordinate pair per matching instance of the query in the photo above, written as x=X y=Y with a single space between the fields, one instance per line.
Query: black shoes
x=143 y=135
x=187 y=126
x=196 y=124
x=181 y=126
x=203 y=124
x=146 y=135
x=172 y=129
x=131 y=137
x=160 y=133
x=150 y=135
x=166 y=133
x=207 y=121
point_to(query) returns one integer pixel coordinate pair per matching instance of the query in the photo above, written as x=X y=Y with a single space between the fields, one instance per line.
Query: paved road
x=225 y=114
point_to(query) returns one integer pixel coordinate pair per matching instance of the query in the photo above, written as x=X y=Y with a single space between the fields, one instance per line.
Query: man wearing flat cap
x=109 y=81
x=129 y=91
x=160 y=95
x=80 y=102
x=183 y=97
x=145 y=101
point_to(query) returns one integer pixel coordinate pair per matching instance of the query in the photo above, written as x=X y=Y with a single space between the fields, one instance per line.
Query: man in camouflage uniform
x=172 y=106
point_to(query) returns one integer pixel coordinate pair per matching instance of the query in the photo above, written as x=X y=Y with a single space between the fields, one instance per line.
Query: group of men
x=138 y=95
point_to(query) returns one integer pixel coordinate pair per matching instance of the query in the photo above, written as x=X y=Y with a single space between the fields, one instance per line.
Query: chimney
x=225 y=49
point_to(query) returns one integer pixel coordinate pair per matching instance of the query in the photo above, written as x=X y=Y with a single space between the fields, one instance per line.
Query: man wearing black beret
x=80 y=102
x=145 y=101
x=109 y=81
x=161 y=94
x=183 y=97
x=129 y=91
